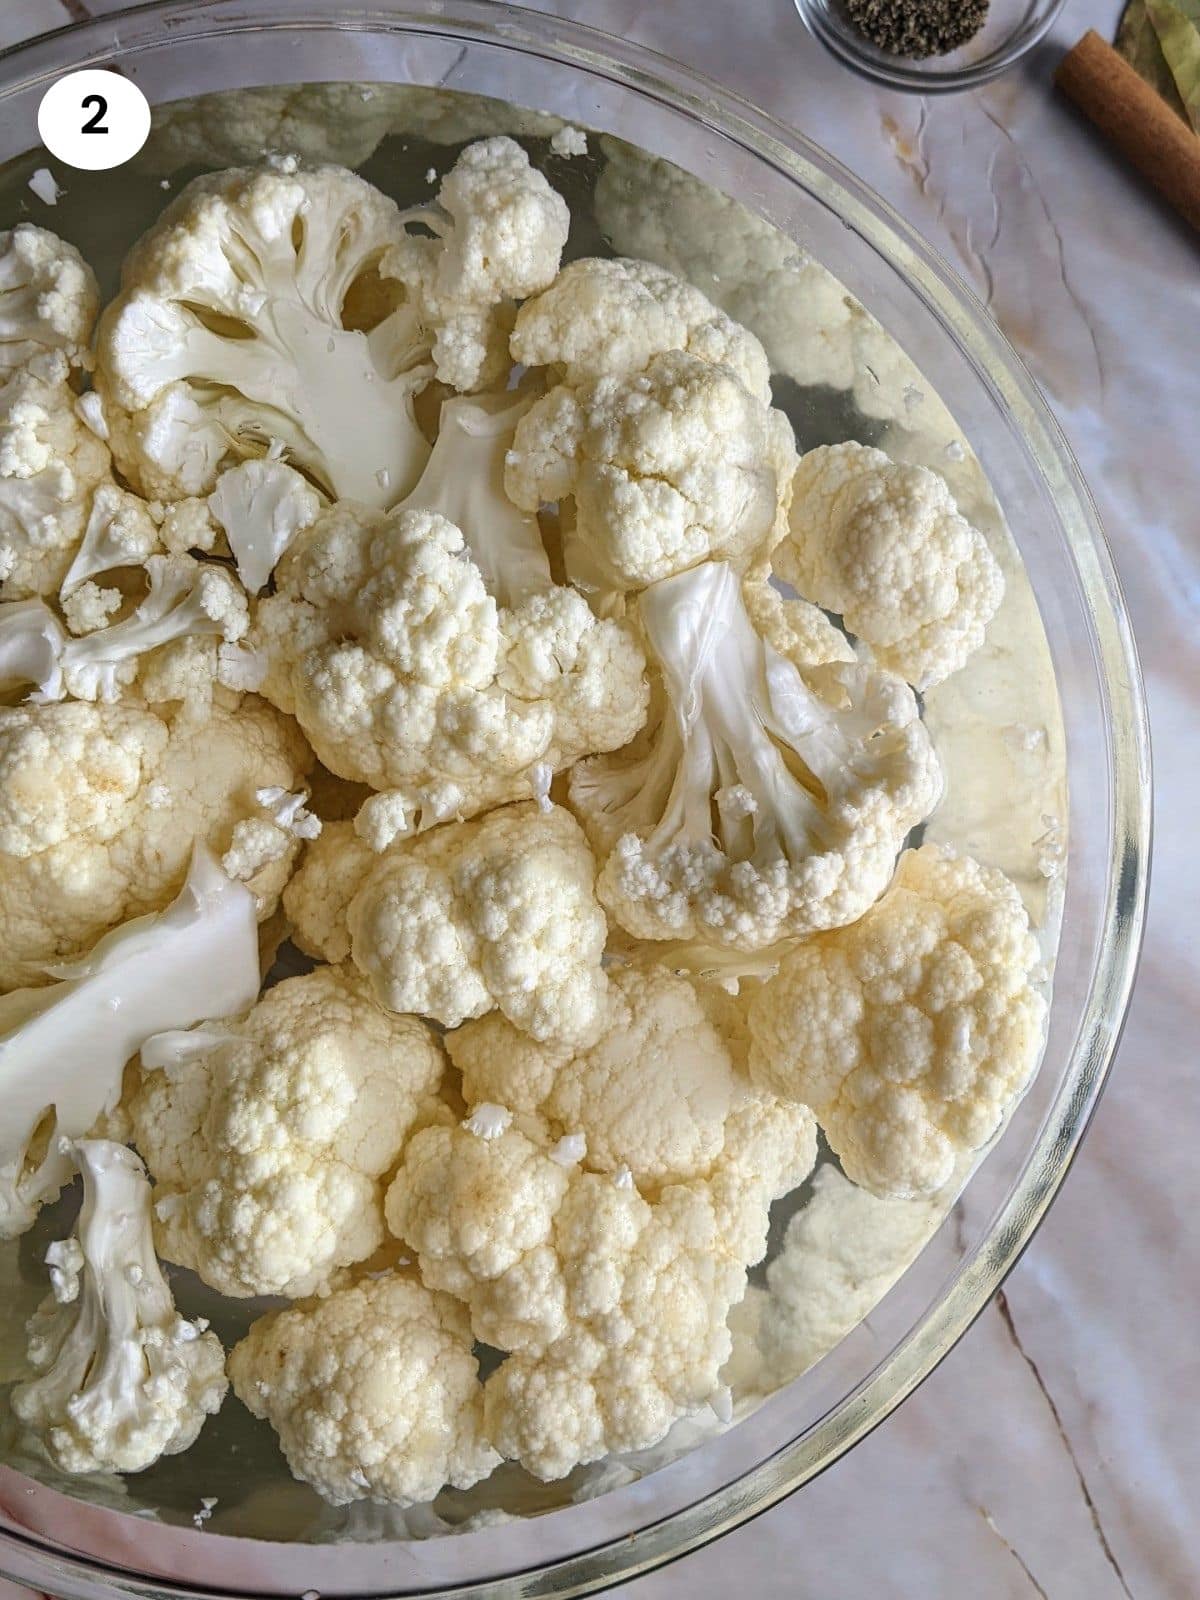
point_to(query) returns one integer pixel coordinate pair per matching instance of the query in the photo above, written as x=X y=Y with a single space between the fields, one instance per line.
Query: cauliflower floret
x=912 y=1032
x=841 y=1254
x=250 y=313
x=261 y=506
x=385 y=643
x=664 y=468
x=123 y=1379
x=498 y=231
x=187 y=602
x=268 y=1136
x=751 y=269
x=187 y=526
x=318 y=897
x=374 y=1392
x=99 y=807
x=258 y=842
x=602 y=318
x=651 y=1096
x=119 y=533
x=48 y=298
x=614 y=1304
x=767 y=800
x=64 y=1047
x=313 y=122
x=168 y=645
x=883 y=544
x=49 y=466
x=795 y=628
x=89 y=608
x=495 y=913
x=440 y=663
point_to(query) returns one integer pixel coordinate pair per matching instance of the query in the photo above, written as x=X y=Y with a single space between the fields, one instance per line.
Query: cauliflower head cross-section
x=252 y=312
x=767 y=800
x=911 y=1032
x=374 y=1392
x=882 y=544
x=269 y=1135
x=122 y=1378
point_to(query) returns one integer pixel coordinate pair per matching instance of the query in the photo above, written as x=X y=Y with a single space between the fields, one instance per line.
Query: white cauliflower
x=651 y=1096
x=187 y=601
x=261 y=506
x=842 y=1252
x=495 y=913
x=48 y=298
x=614 y=1305
x=119 y=534
x=100 y=805
x=751 y=269
x=91 y=607
x=318 y=896
x=64 y=1046
x=769 y=798
x=451 y=116
x=882 y=544
x=50 y=464
x=441 y=663
x=663 y=468
x=494 y=235
x=31 y=646
x=374 y=1392
x=259 y=841
x=251 y=313
x=603 y=318
x=343 y=123
x=913 y=1031
x=269 y=1135
x=122 y=1379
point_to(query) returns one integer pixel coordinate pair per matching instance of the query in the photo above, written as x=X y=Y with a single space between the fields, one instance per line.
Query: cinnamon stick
x=1134 y=119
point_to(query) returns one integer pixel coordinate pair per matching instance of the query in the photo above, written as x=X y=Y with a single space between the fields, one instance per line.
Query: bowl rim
x=706 y=102
x=893 y=72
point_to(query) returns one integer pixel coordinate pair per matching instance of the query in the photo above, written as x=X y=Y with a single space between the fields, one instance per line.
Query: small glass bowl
x=1011 y=30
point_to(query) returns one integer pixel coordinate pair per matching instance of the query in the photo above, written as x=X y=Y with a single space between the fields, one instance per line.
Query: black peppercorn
x=917 y=28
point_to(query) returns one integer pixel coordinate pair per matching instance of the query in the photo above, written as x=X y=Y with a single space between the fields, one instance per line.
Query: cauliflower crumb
x=45 y=187
x=65 y=1261
x=89 y=408
x=488 y=1121
x=570 y=1150
x=569 y=141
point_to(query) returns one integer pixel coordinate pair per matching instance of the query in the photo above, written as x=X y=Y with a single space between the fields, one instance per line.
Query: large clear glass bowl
x=1065 y=629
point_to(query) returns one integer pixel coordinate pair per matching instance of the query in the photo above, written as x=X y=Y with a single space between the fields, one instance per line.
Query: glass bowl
x=1011 y=30
x=933 y=379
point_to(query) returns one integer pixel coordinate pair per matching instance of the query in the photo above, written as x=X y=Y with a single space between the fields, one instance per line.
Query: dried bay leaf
x=1137 y=41
x=1177 y=24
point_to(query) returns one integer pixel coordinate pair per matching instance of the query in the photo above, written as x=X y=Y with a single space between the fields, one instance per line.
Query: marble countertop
x=1054 y=1453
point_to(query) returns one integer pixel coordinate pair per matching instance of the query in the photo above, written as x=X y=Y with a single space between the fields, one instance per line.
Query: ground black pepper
x=917 y=28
